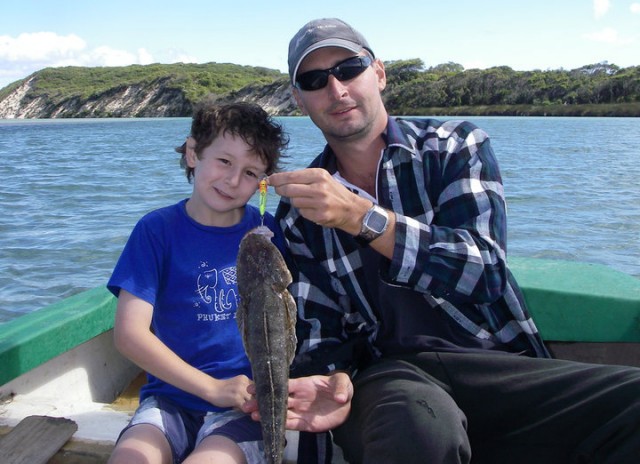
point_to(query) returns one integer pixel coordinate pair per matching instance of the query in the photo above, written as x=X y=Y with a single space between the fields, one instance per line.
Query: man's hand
x=319 y=403
x=316 y=404
x=321 y=199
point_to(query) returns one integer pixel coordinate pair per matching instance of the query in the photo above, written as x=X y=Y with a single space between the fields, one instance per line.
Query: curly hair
x=241 y=119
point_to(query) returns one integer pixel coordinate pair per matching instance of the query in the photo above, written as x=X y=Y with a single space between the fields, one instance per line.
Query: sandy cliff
x=157 y=99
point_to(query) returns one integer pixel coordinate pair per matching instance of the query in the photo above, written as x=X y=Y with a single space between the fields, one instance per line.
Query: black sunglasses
x=343 y=71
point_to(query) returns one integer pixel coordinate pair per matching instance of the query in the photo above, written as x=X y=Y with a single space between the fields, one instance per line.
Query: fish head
x=259 y=259
x=262 y=230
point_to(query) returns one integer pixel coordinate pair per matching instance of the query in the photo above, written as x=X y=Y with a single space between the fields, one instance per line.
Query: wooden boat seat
x=35 y=440
x=128 y=399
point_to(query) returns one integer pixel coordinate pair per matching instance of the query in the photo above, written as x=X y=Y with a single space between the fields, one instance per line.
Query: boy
x=177 y=297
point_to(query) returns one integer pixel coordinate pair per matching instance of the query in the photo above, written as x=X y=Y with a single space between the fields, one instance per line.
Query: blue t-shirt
x=187 y=271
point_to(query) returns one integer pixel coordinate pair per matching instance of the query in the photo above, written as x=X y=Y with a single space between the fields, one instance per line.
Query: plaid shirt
x=442 y=181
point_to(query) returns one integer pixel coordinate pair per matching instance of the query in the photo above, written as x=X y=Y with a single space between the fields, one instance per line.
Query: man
x=415 y=344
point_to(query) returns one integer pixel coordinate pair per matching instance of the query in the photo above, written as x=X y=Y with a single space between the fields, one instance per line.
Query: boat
x=60 y=361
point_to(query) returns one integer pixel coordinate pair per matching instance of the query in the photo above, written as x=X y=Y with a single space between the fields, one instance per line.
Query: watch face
x=376 y=222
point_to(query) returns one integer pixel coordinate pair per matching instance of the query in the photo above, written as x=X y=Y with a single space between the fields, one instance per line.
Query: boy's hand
x=230 y=393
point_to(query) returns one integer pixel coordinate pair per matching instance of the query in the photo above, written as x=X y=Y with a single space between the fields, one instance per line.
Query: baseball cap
x=319 y=33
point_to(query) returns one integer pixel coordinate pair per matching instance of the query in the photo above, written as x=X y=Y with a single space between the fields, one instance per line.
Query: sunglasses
x=343 y=71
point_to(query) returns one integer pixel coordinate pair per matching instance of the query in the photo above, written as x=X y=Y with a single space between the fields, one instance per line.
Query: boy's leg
x=218 y=449
x=400 y=414
x=142 y=443
x=160 y=429
x=232 y=436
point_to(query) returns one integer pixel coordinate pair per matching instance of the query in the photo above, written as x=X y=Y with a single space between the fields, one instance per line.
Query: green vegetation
x=600 y=89
x=448 y=89
x=195 y=80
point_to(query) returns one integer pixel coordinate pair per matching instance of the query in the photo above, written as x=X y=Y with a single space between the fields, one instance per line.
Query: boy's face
x=225 y=177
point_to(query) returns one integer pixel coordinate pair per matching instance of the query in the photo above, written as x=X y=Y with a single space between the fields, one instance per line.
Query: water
x=71 y=191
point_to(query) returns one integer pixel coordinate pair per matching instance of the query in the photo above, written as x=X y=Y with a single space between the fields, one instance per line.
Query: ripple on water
x=72 y=190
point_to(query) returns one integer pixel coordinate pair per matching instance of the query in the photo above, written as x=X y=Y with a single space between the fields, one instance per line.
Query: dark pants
x=492 y=408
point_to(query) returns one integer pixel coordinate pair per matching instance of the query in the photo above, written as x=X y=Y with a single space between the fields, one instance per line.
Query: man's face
x=342 y=109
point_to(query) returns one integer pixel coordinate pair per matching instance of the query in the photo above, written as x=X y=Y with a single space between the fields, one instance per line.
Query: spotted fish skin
x=266 y=319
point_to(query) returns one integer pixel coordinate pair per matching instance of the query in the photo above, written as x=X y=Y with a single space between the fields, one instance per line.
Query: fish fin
x=241 y=315
x=291 y=312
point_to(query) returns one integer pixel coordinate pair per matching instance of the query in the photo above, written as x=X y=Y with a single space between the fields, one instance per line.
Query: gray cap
x=319 y=33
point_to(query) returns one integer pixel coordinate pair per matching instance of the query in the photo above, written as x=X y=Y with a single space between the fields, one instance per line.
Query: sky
x=524 y=35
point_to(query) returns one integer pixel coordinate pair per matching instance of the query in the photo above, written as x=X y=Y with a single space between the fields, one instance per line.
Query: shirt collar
x=393 y=135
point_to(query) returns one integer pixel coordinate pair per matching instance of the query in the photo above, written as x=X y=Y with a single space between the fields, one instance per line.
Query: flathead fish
x=266 y=319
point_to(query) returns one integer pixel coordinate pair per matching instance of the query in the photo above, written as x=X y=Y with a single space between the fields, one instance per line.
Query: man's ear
x=299 y=102
x=381 y=73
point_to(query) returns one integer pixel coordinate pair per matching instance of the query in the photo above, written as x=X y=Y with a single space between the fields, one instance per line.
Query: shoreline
x=610 y=110
x=593 y=110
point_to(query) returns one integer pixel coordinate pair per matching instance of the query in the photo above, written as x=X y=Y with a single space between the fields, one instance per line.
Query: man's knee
x=405 y=417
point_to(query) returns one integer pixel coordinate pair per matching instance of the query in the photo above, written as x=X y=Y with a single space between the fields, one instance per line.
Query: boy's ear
x=190 y=155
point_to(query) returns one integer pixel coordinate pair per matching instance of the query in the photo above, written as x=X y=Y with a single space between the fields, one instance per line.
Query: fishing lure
x=263 y=199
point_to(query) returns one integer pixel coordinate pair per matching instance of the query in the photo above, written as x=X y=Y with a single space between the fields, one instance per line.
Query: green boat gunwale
x=570 y=302
x=35 y=338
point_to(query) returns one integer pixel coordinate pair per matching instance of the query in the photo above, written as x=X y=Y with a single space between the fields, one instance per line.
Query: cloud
x=600 y=8
x=39 y=46
x=635 y=8
x=50 y=49
x=30 y=52
x=608 y=35
x=176 y=55
x=144 y=57
x=107 y=56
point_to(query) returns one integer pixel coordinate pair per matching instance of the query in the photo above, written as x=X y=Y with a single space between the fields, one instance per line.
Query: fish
x=266 y=319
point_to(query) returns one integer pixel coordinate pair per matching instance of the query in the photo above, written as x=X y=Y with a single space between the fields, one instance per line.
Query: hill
x=164 y=90
x=157 y=90
x=600 y=89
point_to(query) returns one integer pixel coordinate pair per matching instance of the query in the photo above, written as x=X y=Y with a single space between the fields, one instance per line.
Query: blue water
x=71 y=191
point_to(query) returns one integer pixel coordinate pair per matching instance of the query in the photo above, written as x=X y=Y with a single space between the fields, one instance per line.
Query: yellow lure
x=263 y=198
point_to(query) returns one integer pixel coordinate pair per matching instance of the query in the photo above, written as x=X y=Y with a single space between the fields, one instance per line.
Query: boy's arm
x=134 y=339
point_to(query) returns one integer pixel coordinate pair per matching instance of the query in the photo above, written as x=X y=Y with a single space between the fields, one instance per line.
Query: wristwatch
x=374 y=224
